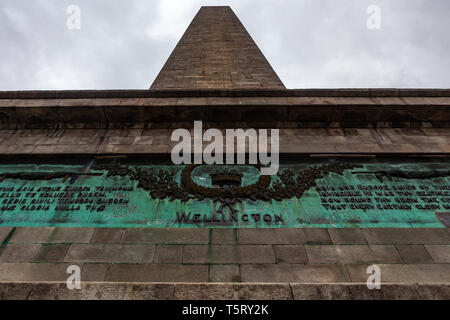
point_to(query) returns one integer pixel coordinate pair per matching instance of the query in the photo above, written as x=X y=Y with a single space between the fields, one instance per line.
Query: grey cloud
x=310 y=43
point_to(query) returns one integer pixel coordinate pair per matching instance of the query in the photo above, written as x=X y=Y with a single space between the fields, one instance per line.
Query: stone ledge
x=92 y=94
x=221 y=291
x=389 y=291
x=338 y=142
x=256 y=111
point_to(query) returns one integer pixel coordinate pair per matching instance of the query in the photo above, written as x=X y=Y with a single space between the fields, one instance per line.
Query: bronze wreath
x=207 y=192
x=162 y=184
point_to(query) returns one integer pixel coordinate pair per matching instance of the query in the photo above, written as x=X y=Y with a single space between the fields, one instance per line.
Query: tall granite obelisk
x=217 y=52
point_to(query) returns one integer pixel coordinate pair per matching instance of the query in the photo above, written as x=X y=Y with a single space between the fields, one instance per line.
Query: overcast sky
x=310 y=43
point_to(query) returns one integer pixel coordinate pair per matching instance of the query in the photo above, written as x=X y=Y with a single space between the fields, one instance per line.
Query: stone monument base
x=224 y=263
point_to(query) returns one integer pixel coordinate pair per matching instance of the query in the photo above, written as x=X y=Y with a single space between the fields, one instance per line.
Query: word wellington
x=224 y=220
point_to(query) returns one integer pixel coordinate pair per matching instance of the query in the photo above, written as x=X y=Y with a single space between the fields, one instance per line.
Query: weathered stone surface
x=148 y=109
x=31 y=235
x=224 y=273
x=33 y=272
x=303 y=291
x=4 y=233
x=434 y=148
x=71 y=235
x=414 y=253
x=68 y=139
x=272 y=273
x=308 y=148
x=438 y=100
x=216 y=254
x=292 y=141
x=102 y=291
x=358 y=292
x=223 y=236
x=347 y=236
x=15 y=291
x=52 y=253
x=110 y=253
x=114 y=140
x=290 y=253
x=107 y=235
x=404 y=273
x=407 y=236
x=141 y=148
x=185 y=291
x=353 y=254
x=233 y=292
x=166 y=236
x=69 y=149
x=439 y=253
x=265 y=262
x=283 y=236
x=157 y=273
x=94 y=272
x=19 y=253
x=436 y=131
x=434 y=291
x=144 y=140
x=168 y=254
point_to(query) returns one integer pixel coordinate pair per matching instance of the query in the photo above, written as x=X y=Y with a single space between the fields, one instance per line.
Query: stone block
x=439 y=253
x=352 y=254
x=407 y=236
x=19 y=253
x=33 y=272
x=347 y=236
x=414 y=253
x=71 y=235
x=223 y=236
x=52 y=253
x=107 y=235
x=166 y=236
x=110 y=253
x=31 y=235
x=224 y=273
x=224 y=254
x=283 y=236
x=234 y=291
x=168 y=254
x=4 y=233
x=403 y=273
x=94 y=272
x=290 y=254
x=299 y=273
x=157 y=273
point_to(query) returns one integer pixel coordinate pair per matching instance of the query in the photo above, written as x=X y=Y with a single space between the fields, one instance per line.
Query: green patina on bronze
x=305 y=193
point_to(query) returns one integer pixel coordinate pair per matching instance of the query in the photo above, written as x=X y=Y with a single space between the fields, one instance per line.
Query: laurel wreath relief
x=162 y=184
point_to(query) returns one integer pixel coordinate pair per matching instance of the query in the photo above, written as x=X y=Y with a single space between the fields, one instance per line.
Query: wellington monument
x=219 y=182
